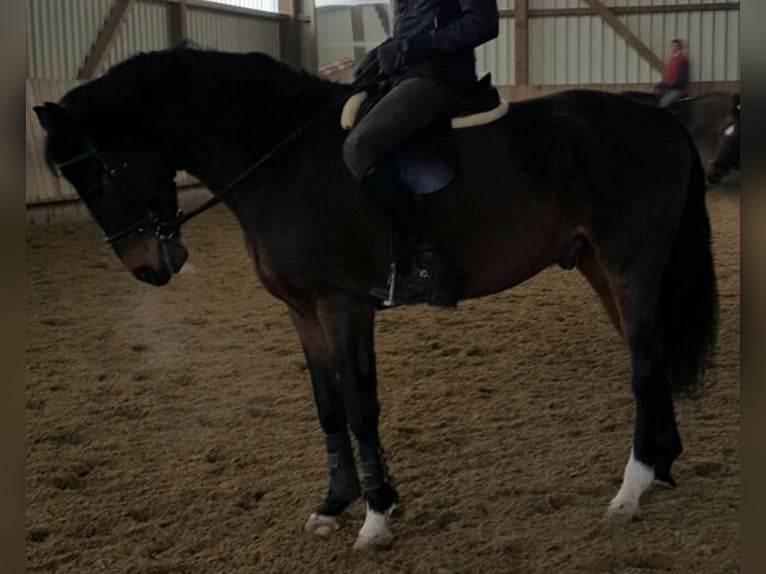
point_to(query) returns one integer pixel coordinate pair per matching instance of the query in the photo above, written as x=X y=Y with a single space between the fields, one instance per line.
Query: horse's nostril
x=141 y=274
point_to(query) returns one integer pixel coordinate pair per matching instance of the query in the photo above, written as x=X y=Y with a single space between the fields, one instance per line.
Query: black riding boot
x=423 y=273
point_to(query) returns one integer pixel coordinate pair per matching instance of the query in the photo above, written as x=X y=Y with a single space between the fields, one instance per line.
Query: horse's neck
x=226 y=142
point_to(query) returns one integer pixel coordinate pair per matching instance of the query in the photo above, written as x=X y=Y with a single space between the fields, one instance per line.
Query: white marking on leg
x=321 y=525
x=637 y=479
x=374 y=534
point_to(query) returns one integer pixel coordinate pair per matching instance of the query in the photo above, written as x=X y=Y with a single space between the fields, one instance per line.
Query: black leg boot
x=430 y=279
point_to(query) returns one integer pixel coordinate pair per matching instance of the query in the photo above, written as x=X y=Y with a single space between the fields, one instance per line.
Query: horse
x=584 y=179
x=726 y=157
x=708 y=117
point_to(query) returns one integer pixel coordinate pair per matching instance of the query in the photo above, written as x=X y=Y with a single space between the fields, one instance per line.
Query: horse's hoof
x=381 y=541
x=321 y=525
x=669 y=484
x=622 y=512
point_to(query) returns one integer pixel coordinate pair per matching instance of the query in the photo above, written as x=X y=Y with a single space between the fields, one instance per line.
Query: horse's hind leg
x=344 y=483
x=588 y=265
x=349 y=326
x=656 y=442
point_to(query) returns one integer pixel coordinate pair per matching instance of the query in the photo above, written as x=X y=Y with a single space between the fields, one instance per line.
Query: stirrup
x=389 y=301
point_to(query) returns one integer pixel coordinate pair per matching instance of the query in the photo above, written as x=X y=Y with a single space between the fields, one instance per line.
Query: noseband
x=162 y=229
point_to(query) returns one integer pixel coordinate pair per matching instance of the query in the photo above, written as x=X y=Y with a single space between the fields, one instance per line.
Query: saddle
x=429 y=162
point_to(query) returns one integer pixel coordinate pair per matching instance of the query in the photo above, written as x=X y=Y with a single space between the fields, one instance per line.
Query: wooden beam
x=105 y=38
x=178 y=22
x=622 y=30
x=289 y=34
x=627 y=10
x=385 y=18
x=357 y=33
x=313 y=64
x=521 y=23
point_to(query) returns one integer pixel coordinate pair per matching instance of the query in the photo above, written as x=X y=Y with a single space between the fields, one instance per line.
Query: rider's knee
x=358 y=155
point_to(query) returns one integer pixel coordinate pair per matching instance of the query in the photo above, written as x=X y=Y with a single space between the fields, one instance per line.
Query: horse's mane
x=137 y=95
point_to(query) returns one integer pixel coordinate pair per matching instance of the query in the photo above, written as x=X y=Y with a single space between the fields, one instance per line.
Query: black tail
x=689 y=292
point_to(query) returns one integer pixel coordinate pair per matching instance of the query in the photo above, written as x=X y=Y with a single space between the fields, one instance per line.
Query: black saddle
x=429 y=162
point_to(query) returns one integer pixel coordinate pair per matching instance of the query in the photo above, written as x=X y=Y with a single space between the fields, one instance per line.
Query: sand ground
x=173 y=430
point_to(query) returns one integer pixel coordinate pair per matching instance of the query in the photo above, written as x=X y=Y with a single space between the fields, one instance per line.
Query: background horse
x=708 y=118
x=580 y=177
x=726 y=157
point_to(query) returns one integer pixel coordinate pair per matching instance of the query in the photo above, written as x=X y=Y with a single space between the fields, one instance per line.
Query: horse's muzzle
x=152 y=276
x=173 y=254
x=715 y=174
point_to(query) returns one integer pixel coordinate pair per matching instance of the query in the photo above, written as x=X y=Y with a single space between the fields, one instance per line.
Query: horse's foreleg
x=344 y=483
x=656 y=442
x=349 y=326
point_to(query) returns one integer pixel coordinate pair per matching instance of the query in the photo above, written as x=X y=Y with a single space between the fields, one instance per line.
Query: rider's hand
x=389 y=57
x=368 y=69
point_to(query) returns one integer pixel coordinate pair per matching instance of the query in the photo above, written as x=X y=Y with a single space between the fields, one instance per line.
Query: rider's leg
x=408 y=108
x=669 y=97
x=431 y=279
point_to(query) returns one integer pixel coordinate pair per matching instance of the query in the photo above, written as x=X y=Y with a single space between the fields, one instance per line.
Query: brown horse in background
x=708 y=118
x=578 y=178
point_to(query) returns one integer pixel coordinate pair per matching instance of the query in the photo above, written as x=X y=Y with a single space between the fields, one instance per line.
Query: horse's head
x=726 y=156
x=129 y=189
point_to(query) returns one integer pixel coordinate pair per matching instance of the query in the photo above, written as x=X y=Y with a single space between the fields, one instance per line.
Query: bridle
x=165 y=229
x=148 y=220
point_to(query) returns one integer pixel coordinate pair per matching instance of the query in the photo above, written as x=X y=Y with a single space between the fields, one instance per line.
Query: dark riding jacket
x=435 y=39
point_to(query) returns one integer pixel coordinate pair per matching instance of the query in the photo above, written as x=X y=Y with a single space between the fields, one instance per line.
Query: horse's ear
x=51 y=116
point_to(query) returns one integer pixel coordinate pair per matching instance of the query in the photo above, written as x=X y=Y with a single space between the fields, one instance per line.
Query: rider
x=429 y=62
x=676 y=77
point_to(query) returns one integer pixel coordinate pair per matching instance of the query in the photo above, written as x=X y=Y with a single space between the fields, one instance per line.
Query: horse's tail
x=689 y=293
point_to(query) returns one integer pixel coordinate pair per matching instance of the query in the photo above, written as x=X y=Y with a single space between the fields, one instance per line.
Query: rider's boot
x=424 y=274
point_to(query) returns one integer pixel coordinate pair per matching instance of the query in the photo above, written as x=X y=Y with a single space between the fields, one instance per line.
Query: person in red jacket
x=676 y=77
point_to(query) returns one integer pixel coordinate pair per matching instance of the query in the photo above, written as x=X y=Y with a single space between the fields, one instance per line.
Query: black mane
x=138 y=97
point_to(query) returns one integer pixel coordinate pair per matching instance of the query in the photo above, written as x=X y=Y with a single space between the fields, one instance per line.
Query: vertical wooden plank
x=707 y=46
x=719 y=52
x=178 y=22
x=289 y=45
x=572 y=60
x=521 y=42
x=357 y=33
x=732 y=46
x=384 y=17
x=596 y=49
x=314 y=40
x=560 y=39
x=536 y=51
x=584 y=50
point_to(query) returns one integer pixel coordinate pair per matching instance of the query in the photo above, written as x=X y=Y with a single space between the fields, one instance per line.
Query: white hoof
x=637 y=479
x=321 y=525
x=374 y=534
x=622 y=511
x=381 y=541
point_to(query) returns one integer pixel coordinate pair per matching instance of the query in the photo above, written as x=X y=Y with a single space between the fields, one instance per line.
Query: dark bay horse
x=708 y=118
x=616 y=180
x=726 y=157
